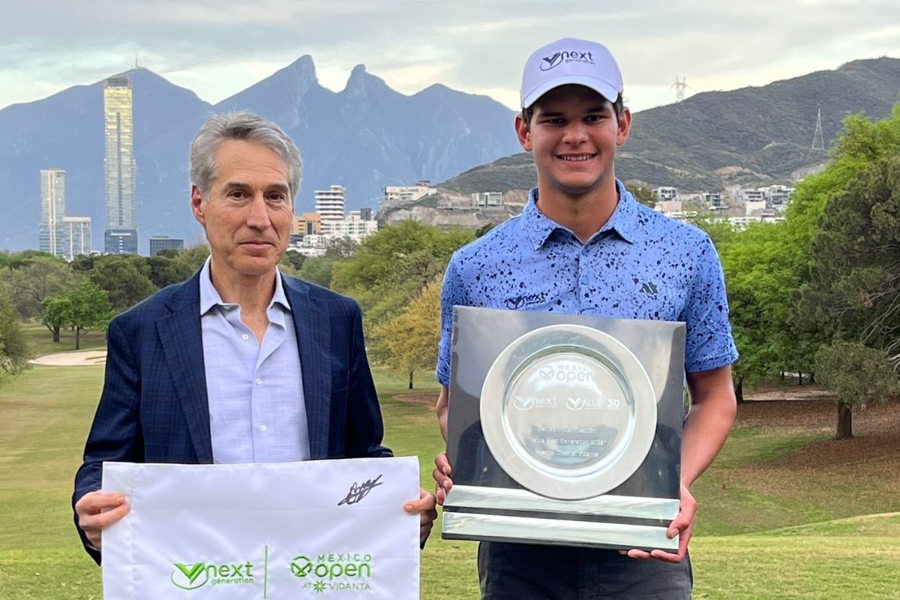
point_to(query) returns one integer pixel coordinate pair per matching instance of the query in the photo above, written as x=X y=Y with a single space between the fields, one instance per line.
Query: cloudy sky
x=218 y=48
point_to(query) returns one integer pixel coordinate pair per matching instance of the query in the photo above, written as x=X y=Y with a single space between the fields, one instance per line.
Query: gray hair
x=240 y=126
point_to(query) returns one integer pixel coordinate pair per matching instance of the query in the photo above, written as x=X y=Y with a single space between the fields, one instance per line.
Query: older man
x=239 y=363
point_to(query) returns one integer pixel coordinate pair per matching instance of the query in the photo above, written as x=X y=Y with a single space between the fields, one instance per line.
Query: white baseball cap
x=568 y=61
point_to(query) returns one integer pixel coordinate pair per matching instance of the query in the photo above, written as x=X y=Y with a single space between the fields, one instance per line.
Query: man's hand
x=97 y=511
x=683 y=525
x=425 y=506
x=441 y=475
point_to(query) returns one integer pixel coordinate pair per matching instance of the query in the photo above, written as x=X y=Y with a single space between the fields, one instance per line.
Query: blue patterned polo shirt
x=640 y=265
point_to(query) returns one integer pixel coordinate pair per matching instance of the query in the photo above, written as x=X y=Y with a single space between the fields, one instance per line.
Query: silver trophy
x=564 y=429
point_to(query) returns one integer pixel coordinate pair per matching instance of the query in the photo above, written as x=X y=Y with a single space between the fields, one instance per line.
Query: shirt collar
x=624 y=220
x=210 y=298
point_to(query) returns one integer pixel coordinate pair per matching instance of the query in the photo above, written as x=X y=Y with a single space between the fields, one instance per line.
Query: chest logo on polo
x=525 y=300
x=649 y=288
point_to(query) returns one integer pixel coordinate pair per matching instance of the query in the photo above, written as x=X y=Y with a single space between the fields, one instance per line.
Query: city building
x=78 y=236
x=51 y=232
x=668 y=207
x=353 y=227
x=406 y=194
x=480 y=199
x=752 y=195
x=330 y=203
x=713 y=200
x=158 y=243
x=665 y=194
x=754 y=207
x=120 y=235
x=778 y=195
x=306 y=224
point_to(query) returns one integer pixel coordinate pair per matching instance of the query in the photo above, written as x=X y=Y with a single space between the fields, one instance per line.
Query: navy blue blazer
x=154 y=406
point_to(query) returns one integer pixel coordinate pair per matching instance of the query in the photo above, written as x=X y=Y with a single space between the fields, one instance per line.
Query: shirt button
x=258 y=381
x=263 y=428
x=245 y=337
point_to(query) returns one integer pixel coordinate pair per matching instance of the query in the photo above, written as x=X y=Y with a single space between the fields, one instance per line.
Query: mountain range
x=368 y=136
x=364 y=137
x=749 y=136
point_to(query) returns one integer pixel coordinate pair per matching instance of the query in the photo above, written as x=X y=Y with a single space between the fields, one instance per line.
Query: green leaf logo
x=188 y=577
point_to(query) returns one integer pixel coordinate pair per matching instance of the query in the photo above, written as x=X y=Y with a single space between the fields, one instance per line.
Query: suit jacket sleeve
x=365 y=429
x=116 y=432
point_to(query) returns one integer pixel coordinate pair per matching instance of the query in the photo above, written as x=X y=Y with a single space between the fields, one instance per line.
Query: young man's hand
x=682 y=526
x=441 y=475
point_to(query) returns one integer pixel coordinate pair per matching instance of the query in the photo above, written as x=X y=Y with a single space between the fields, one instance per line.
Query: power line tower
x=818 y=138
x=680 y=86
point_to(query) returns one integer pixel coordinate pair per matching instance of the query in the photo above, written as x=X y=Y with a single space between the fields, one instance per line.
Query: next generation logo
x=551 y=62
x=197 y=575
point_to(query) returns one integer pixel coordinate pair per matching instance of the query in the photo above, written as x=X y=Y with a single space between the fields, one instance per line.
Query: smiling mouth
x=575 y=157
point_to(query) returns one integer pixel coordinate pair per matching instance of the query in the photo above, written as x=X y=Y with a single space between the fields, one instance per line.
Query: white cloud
x=479 y=46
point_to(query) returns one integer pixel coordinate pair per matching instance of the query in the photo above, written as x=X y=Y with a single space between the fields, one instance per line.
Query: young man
x=583 y=245
x=239 y=363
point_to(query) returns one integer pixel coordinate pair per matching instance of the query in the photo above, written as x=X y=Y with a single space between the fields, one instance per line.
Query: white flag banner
x=329 y=529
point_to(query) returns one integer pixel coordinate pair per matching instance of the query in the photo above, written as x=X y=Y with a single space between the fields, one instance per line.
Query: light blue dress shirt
x=257 y=411
x=640 y=265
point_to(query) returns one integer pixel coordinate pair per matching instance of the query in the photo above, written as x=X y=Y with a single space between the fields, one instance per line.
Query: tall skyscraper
x=120 y=236
x=78 y=236
x=330 y=204
x=51 y=233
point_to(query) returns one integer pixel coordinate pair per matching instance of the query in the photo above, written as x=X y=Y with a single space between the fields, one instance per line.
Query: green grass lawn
x=765 y=532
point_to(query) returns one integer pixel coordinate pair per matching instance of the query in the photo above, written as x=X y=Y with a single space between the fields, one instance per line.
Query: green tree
x=317 y=270
x=760 y=277
x=32 y=278
x=854 y=285
x=194 y=257
x=292 y=262
x=861 y=144
x=166 y=270
x=409 y=342
x=393 y=266
x=641 y=193
x=856 y=375
x=86 y=307
x=13 y=345
x=125 y=278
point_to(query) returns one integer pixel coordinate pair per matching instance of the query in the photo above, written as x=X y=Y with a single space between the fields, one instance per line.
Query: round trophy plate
x=568 y=412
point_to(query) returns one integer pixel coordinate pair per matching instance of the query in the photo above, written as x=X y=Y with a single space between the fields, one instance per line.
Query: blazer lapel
x=182 y=342
x=313 y=329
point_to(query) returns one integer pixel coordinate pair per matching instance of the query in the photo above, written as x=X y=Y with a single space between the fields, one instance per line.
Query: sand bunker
x=73 y=359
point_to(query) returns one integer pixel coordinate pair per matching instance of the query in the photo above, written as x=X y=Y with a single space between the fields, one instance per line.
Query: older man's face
x=247 y=212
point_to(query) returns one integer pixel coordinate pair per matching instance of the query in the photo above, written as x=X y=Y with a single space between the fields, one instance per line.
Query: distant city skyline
x=411 y=44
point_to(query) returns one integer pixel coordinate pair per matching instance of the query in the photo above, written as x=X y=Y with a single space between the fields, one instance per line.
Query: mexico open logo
x=197 y=575
x=346 y=571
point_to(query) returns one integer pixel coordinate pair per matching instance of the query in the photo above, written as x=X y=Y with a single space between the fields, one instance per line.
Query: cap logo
x=551 y=62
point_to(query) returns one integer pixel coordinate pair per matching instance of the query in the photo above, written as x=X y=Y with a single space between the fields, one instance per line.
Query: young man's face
x=573 y=136
x=247 y=212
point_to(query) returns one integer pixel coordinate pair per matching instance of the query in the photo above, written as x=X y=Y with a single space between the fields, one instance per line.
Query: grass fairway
x=784 y=512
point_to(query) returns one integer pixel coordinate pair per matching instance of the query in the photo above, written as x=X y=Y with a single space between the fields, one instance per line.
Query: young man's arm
x=708 y=422
x=441 y=473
